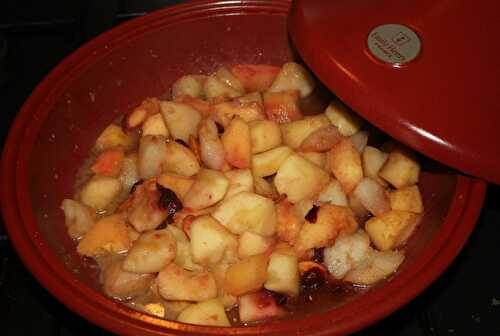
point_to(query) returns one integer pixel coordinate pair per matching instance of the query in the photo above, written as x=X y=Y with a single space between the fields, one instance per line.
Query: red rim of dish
x=96 y=307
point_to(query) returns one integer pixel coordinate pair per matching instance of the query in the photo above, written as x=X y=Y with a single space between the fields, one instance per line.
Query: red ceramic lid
x=427 y=72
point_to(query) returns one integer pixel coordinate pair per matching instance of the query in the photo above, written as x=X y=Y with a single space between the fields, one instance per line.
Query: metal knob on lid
x=426 y=72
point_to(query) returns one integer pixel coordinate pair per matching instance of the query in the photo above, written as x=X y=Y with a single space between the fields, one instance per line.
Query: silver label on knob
x=394 y=44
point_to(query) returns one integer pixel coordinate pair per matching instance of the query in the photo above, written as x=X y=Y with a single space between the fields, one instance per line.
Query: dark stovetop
x=464 y=301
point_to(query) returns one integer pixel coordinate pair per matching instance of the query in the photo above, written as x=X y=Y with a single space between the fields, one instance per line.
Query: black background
x=465 y=300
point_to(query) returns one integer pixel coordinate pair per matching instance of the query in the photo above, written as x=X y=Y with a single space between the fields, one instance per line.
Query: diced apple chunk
x=251 y=244
x=282 y=107
x=288 y=221
x=259 y=306
x=267 y=163
x=391 y=228
x=190 y=85
x=247 y=211
x=176 y=283
x=183 y=256
x=240 y=180
x=247 y=275
x=321 y=140
x=209 y=188
x=151 y=252
x=129 y=174
x=345 y=164
x=214 y=87
x=177 y=183
x=180 y=160
x=255 y=77
x=148 y=107
x=113 y=136
x=265 y=188
x=373 y=196
x=300 y=179
x=225 y=76
x=78 y=218
x=359 y=140
x=331 y=221
x=376 y=267
x=209 y=240
x=341 y=116
x=109 y=162
x=283 y=274
x=295 y=132
x=154 y=125
x=333 y=194
x=124 y=285
x=100 y=191
x=224 y=112
x=407 y=199
x=145 y=212
x=373 y=159
x=207 y=313
x=182 y=120
x=108 y=235
x=152 y=156
x=293 y=76
x=237 y=143
x=172 y=309
x=319 y=159
x=401 y=168
x=264 y=135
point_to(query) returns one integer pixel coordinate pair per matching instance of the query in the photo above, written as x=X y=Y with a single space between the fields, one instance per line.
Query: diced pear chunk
x=282 y=107
x=100 y=191
x=207 y=313
x=345 y=164
x=264 y=135
x=154 y=125
x=267 y=163
x=376 y=267
x=401 y=168
x=214 y=87
x=391 y=228
x=78 y=217
x=240 y=180
x=255 y=77
x=190 y=85
x=247 y=211
x=113 y=136
x=407 y=199
x=129 y=174
x=183 y=256
x=108 y=235
x=295 y=132
x=293 y=76
x=372 y=195
x=300 y=179
x=180 y=160
x=237 y=145
x=360 y=140
x=373 y=159
x=333 y=194
x=265 y=188
x=251 y=243
x=209 y=188
x=152 y=156
x=283 y=274
x=177 y=183
x=247 y=275
x=319 y=159
x=321 y=140
x=259 y=306
x=225 y=76
x=288 y=221
x=124 y=285
x=341 y=116
x=182 y=120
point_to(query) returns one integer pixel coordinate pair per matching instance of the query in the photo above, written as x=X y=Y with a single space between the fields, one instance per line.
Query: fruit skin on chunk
x=267 y=163
x=391 y=229
x=108 y=235
x=264 y=135
x=176 y=283
x=345 y=164
x=331 y=221
x=296 y=132
x=283 y=274
x=258 y=306
x=255 y=77
x=300 y=179
x=401 y=168
x=209 y=188
x=207 y=313
x=282 y=107
x=247 y=211
x=407 y=199
x=237 y=145
x=343 y=118
x=293 y=76
x=209 y=240
x=247 y=275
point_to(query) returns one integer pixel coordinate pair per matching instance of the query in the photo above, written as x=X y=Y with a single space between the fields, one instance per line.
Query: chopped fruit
x=293 y=76
x=251 y=244
x=288 y=221
x=225 y=76
x=300 y=179
x=407 y=199
x=247 y=275
x=124 y=285
x=209 y=240
x=172 y=309
x=208 y=313
x=180 y=160
x=114 y=136
x=147 y=108
x=237 y=145
x=343 y=118
x=294 y=133
x=358 y=208
x=283 y=274
x=190 y=85
x=176 y=283
x=183 y=256
x=319 y=159
x=212 y=151
x=373 y=159
x=224 y=112
x=209 y=188
x=168 y=201
x=282 y=107
x=194 y=146
x=259 y=306
x=240 y=180
x=345 y=164
x=200 y=105
x=247 y=211
x=145 y=212
x=129 y=174
x=321 y=140
x=375 y=268
x=333 y=194
x=151 y=252
x=108 y=235
x=268 y=163
x=152 y=156
x=265 y=188
x=100 y=191
x=177 y=183
x=255 y=77
x=373 y=196
x=78 y=217
x=331 y=221
x=401 y=168
x=264 y=135
x=182 y=120
x=214 y=87
x=109 y=162
x=391 y=229
x=359 y=140
x=154 y=125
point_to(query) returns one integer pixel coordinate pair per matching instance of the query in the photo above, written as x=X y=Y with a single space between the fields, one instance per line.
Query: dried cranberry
x=280 y=299
x=312 y=279
x=312 y=215
x=182 y=142
x=168 y=200
x=136 y=184
x=220 y=129
x=318 y=255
